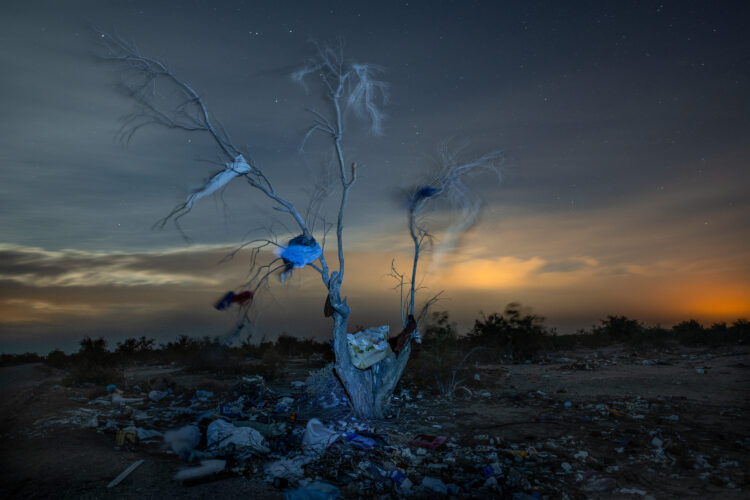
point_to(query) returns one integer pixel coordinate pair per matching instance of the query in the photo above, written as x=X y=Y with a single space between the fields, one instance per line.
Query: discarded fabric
x=368 y=346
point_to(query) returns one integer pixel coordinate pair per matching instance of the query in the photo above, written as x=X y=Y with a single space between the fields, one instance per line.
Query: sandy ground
x=660 y=425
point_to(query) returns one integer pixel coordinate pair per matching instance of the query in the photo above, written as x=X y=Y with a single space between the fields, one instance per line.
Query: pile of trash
x=303 y=439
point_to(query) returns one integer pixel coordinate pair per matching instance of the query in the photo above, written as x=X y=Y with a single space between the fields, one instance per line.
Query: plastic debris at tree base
x=368 y=346
x=299 y=252
x=402 y=339
x=238 y=167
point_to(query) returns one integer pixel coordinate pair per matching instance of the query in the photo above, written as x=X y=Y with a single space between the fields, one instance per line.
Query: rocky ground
x=581 y=424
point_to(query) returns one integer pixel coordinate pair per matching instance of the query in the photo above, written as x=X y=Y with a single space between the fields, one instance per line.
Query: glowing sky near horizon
x=624 y=192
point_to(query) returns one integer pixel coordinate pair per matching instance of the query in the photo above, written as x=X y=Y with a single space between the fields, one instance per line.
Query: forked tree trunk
x=368 y=390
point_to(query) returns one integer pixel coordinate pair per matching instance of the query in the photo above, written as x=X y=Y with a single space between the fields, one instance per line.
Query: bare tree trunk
x=369 y=390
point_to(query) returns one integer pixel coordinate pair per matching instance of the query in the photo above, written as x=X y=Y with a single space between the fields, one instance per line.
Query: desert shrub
x=440 y=363
x=512 y=335
x=19 y=359
x=133 y=349
x=619 y=329
x=690 y=333
x=56 y=359
x=272 y=364
x=93 y=363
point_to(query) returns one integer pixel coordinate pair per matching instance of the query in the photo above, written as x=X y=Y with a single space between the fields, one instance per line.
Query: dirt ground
x=583 y=424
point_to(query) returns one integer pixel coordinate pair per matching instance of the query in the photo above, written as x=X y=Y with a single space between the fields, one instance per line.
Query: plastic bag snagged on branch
x=230 y=298
x=426 y=191
x=368 y=346
x=238 y=167
x=299 y=252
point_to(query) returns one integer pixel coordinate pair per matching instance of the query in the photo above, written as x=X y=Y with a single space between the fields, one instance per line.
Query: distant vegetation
x=513 y=336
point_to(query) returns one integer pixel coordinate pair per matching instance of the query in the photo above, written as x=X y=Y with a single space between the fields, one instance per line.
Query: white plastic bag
x=221 y=434
x=238 y=167
x=317 y=437
x=368 y=346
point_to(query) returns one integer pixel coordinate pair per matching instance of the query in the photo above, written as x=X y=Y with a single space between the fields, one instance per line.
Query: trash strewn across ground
x=582 y=424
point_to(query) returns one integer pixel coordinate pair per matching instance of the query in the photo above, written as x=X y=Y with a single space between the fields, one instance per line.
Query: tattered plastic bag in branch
x=238 y=167
x=368 y=346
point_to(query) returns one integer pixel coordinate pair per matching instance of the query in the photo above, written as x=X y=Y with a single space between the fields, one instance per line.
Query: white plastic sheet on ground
x=317 y=437
x=238 y=167
x=206 y=468
x=221 y=434
x=290 y=468
x=183 y=440
x=368 y=346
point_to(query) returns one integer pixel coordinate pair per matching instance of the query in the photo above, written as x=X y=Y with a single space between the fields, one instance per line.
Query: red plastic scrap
x=243 y=297
x=427 y=441
x=399 y=342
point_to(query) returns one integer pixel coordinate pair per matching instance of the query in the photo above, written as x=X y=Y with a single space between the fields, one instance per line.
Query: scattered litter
x=227 y=438
x=206 y=468
x=157 y=395
x=366 y=443
x=317 y=490
x=125 y=473
x=183 y=440
x=434 y=484
x=317 y=437
x=427 y=441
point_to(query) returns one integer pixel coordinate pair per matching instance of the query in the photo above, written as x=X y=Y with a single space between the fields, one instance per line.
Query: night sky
x=624 y=127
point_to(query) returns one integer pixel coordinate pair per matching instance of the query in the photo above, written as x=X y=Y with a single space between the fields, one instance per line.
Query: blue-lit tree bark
x=349 y=88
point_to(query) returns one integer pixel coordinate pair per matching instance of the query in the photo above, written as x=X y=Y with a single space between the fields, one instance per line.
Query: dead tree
x=349 y=88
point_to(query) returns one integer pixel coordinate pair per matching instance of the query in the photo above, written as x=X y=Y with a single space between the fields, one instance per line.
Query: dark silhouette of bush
x=57 y=359
x=93 y=363
x=433 y=366
x=133 y=349
x=513 y=335
x=20 y=359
